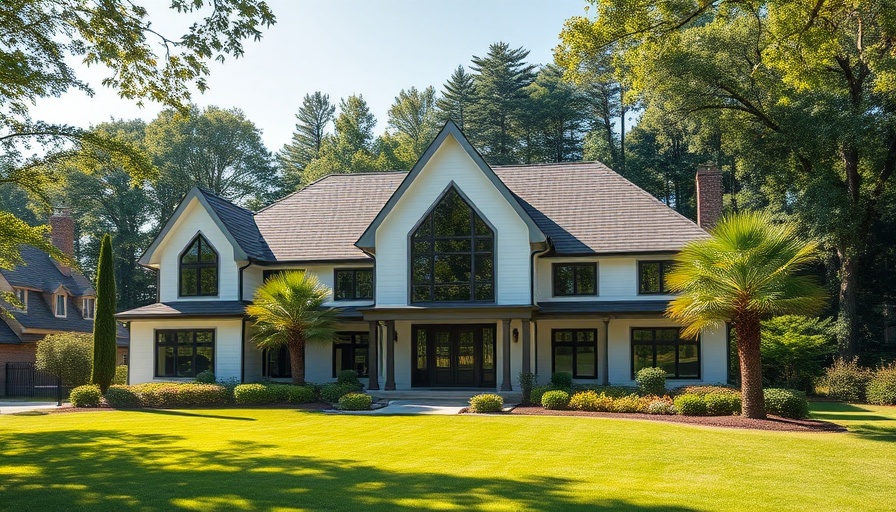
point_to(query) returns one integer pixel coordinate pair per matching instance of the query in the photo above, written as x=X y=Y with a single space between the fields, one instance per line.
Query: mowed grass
x=242 y=459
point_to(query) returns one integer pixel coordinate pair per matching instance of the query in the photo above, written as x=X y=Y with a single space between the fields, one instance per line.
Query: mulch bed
x=772 y=423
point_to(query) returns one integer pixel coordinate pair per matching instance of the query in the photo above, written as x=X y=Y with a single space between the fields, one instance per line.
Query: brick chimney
x=62 y=235
x=709 y=195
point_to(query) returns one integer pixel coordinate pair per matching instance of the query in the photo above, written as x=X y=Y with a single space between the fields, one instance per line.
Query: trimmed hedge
x=167 y=395
x=355 y=402
x=291 y=394
x=555 y=399
x=253 y=394
x=333 y=391
x=85 y=396
x=651 y=381
x=562 y=380
x=704 y=390
x=786 y=402
x=488 y=402
x=722 y=404
x=690 y=404
x=122 y=397
x=881 y=389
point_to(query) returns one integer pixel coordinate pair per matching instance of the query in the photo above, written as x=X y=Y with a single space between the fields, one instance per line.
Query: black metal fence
x=23 y=380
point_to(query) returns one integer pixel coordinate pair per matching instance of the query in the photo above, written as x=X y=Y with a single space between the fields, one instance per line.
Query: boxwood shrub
x=291 y=394
x=164 y=395
x=651 y=381
x=881 y=389
x=122 y=397
x=355 y=402
x=205 y=377
x=690 y=404
x=85 y=396
x=487 y=402
x=333 y=391
x=562 y=380
x=538 y=392
x=254 y=394
x=555 y=399
x=722 y=404
x=786 y=402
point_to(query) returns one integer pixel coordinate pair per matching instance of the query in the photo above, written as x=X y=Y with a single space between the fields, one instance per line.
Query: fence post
x=58 y=391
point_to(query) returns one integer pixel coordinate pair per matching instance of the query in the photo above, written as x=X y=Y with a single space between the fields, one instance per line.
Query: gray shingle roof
x=241 y=224
x=39 y=271
x=197 y=308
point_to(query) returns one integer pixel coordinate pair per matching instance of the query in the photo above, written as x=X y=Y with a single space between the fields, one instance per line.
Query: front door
x=454 y=356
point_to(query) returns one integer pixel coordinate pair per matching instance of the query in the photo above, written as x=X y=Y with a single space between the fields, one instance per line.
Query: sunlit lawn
x=290 y=460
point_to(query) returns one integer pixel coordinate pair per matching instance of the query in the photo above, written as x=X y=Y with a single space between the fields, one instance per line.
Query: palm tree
x=288 y=310
x=750 y=269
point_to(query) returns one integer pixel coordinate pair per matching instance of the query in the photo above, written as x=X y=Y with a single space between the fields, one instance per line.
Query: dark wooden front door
x=453 y=356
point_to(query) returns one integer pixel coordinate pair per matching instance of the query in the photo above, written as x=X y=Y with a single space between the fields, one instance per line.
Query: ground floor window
x=664 y=348
x=184 y=353
x=350 y=351
x=574 y=351
x=275 y=362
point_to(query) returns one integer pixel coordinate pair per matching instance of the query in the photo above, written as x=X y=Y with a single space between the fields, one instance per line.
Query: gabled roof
x=237 y=224
x=368 y=238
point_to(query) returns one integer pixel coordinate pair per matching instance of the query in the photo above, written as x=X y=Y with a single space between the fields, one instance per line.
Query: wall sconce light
x=395 y=337
x=516 y=335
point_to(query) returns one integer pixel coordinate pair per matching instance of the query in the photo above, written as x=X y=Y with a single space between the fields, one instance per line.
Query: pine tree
x=104 y=328
x=413 y=116
x=458 y=96
x=500 y=81
x=315 y=114
x=354 y=125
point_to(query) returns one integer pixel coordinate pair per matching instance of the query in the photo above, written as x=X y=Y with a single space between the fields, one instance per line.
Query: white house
x=455 y=274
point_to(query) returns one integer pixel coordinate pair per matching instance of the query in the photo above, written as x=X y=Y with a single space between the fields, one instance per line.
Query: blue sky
x=340 y=47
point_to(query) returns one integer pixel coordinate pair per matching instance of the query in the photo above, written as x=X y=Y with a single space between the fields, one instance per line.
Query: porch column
x=373 y=357
x=389 y=342
x=527 y=363
x=605 y=364
x=505 y=353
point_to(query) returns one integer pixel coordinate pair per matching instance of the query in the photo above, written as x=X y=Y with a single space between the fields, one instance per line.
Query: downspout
x=243 y=329
x=532 y=301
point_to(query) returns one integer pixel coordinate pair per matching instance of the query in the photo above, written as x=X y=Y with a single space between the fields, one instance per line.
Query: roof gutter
x=249 y=262
x=532 y=269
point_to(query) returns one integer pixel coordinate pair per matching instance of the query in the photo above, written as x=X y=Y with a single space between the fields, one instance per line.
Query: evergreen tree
x=500 y=82
x=457 y=99
x=413 y=116
x=354 y=125
x=552 y=125
x=104 y=328
x=315 y=114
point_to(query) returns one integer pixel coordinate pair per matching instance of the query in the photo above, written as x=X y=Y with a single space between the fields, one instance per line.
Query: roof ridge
x=549 y=164
x=228 y=201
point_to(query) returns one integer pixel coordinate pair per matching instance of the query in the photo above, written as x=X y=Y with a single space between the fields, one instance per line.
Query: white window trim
x=84 y=308
x=23 y=299
x=64 y=305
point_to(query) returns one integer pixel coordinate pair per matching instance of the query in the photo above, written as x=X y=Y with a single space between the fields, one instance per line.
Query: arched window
x=452 y=254
x=199 y=269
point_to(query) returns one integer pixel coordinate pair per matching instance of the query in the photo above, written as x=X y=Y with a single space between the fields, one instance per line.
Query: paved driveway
x=9 y=407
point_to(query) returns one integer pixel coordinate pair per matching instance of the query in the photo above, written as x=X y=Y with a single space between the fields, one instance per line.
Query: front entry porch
x=458 y=355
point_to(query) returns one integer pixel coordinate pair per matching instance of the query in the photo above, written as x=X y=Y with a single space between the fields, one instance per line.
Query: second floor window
x=88 y=306
x=652 y=276
x=199 y=269
x=575 y=279
x=60 y=305
x=353 y=284
x=22 y=297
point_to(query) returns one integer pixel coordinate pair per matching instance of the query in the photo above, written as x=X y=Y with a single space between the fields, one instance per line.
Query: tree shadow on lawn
x=858 y=420
x=200 y=414
x=102 y=470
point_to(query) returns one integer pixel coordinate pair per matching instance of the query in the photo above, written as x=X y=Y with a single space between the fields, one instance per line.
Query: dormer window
x=199 y=269
x=22 y=296
x=452 y=254
x=60 y=305
x=88 y=307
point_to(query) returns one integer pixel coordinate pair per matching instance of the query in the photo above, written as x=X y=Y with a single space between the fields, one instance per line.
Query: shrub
x=690 y=404
x=844 y=380
x=660 y=406
x=705 y=390
x=555 y=399
x=85 y=396
x=349 y=377
x=121 y=375
x=610 y=391
x=254 y=394
x=794 y=350
x=488 y=402
x=165 y=395
x=722 y=404
x=355 y=402
x=561 y=380
x=538 y=392
x=630 y=403
x=591 y=401
x=528 y=380
x=66 y=355
x=651 y=381
x=122 y=397
x=333 y=391
x=205 y=377
x=788 y=403
x=881 y=389
x=290 y=394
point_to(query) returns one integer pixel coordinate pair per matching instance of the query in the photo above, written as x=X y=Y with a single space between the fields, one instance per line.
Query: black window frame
x=574 y=344
x=575 y=279
x=199 y=266
x=679 y=341
x=351 y=346
x=418 y=236
x=354 y=295
x=269 y=273
x=664 y=266
x=281 y=362
x=157 y=336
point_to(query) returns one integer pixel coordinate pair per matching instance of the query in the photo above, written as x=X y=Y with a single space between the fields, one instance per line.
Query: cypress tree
x=104 y=328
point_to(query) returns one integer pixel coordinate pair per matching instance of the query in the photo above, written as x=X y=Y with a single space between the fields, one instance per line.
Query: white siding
x=451 y=163
x=228 y=346
x=252 y=279
x=617 y=278
x=195 y=219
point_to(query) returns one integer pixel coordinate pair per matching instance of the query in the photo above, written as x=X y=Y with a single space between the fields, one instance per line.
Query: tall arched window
x=199 y=269
x=452 y=254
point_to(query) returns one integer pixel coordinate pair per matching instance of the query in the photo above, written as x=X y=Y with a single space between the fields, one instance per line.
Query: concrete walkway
x=410 y=407
x=10 y=407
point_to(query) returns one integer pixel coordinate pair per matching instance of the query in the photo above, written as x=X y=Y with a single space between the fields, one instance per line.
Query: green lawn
x=241 y=459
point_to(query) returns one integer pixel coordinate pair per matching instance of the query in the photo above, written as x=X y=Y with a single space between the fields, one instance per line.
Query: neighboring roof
x=196 y=308
x=7 y=335
x=323 y=221
x=39 y=315
x=237 y=224
x=367 y=241
x=40 y=272
x=603 y=307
